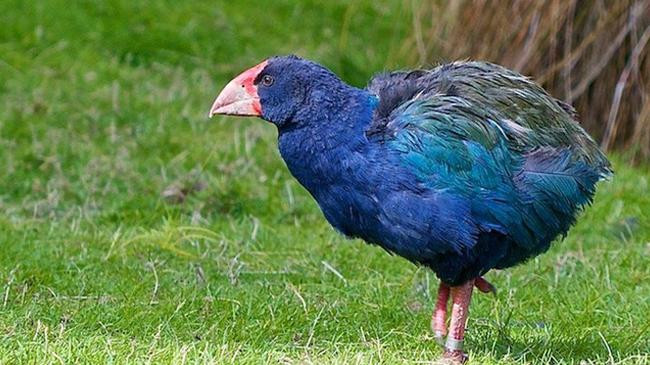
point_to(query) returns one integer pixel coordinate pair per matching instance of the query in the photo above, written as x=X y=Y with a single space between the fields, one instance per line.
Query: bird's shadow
x=547 y=346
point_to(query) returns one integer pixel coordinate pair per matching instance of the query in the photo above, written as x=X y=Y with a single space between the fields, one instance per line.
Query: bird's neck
x=327 y=133
x=331 y=117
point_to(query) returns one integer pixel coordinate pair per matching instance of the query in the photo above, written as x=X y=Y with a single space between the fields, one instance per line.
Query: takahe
x=463 y=168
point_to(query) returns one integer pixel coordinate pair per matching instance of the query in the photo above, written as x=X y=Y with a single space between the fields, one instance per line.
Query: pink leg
x=439 y=317
x=461 y=296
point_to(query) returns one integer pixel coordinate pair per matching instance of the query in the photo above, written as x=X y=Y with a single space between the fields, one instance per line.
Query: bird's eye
x=267 y=80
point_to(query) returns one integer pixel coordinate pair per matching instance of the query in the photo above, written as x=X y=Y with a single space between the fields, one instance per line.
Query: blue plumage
x=463 y=168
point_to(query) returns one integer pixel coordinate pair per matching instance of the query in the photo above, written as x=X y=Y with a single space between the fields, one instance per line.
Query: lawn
x=133 y=229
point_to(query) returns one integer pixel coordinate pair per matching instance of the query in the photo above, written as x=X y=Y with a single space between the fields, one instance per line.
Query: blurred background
x=593 y=54
x=132 y=228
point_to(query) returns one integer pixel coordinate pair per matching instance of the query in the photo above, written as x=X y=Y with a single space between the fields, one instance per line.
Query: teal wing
x=492 y=138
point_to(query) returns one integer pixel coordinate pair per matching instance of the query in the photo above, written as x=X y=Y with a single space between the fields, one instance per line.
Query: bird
x=462 y=168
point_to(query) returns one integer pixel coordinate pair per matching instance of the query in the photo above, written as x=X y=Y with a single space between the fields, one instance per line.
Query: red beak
x=240 y=97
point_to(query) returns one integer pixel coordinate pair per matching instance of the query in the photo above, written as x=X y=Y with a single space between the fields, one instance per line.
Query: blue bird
x=462 y=168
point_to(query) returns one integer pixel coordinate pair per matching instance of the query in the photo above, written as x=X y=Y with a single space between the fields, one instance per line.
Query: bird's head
x=279 y=90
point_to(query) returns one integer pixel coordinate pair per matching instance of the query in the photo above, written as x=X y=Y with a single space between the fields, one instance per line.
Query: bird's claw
x=454 y=357
x=484 y=286
x=439 y=337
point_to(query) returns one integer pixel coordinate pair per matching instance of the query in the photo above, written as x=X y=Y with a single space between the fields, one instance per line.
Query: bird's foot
x=484 y=286
x=439 y=337
x=454 y=357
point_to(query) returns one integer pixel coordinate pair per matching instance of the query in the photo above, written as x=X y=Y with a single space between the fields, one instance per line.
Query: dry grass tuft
x=594 y=54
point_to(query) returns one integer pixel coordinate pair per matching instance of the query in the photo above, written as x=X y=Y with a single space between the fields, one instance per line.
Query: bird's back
x=523 y=112
x=513 y=157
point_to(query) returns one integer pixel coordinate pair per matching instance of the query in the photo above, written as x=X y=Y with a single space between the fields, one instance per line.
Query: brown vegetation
x=594 y=54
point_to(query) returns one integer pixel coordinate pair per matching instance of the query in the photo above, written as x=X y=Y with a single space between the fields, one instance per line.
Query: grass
x=134 y=230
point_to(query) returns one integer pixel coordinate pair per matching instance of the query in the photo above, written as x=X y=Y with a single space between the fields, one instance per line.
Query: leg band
x=453 y=344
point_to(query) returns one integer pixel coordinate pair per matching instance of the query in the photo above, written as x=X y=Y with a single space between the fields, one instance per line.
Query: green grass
x=134 y=230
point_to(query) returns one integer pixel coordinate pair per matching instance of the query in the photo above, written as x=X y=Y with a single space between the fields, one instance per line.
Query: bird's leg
x=439 y=316
x=461 y=296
